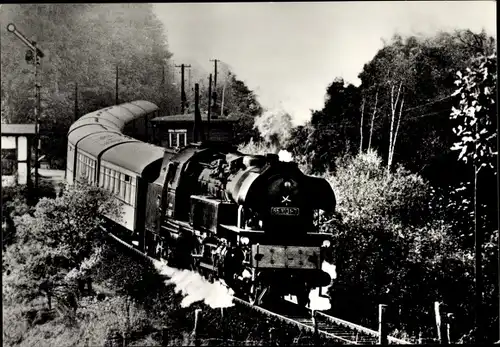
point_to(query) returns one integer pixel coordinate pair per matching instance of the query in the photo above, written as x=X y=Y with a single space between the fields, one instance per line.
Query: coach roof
x=97 y=143
x=86 y=130
x=116 y=117
x=133 y=156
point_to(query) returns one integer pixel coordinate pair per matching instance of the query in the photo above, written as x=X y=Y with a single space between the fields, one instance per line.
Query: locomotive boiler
x=248 y=220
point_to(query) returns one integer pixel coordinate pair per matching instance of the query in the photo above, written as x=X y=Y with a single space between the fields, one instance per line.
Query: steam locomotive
x=248 y=220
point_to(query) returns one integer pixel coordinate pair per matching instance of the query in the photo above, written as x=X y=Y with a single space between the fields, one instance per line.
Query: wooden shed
x=178 y=130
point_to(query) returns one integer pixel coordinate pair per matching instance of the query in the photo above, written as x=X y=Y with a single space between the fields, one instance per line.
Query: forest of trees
x=410 y=152
x=401 y=151
x=84 y=45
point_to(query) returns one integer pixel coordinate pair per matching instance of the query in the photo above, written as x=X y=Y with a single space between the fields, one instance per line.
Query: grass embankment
x=131 y=301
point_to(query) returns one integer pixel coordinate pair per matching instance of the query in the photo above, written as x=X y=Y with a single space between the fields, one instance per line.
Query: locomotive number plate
x=285 y=211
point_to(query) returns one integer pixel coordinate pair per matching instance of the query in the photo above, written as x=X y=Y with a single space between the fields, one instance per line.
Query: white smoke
x=196 y=288
x=274 y=126
x=318 y=302
x=285 y=156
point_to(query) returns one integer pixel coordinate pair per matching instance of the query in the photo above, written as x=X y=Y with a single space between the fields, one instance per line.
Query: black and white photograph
x=249 y=173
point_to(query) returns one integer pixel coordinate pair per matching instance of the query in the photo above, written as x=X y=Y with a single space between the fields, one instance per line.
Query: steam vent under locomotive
x=248 y=220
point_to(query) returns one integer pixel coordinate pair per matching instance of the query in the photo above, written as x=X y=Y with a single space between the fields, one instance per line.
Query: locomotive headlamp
x=288 y=185
x=244 y=240
x=326 y=243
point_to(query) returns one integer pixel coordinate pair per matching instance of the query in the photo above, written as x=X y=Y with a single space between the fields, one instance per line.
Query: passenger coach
x=101 y=152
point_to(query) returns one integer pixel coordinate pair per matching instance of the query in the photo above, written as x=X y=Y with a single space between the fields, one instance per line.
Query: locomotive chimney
x=198 y=127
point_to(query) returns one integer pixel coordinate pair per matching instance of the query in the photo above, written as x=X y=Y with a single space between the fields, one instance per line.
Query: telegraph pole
x=37 y=113
x=183 y=92
x=222 y=102
x=198 y=126
x=116 y=86
x=209 y=107
x=163 y=76
x=215 y=82
x=32 y=55
x=76 y=102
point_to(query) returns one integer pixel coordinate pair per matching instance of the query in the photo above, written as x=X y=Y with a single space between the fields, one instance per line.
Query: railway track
x=324 y=326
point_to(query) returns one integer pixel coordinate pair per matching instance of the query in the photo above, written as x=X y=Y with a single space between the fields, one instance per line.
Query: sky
x=288 y=53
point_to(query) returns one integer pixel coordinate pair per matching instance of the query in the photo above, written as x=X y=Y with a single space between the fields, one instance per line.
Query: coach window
x=127 y=188
x=79 y=167
x=89 y=170
x=117 y=183
x=111 y=180
x=77 y=164
x=106 y=178
x=92 y=171
x=103 y=173
x=85 y=171
x=132 y=191
x=111 y=183
x=122 y=186
x=101 y=177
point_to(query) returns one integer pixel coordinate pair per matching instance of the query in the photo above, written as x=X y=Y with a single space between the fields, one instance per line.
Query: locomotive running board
x=208 y=266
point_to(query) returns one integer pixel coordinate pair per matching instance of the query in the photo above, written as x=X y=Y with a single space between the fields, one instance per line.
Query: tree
x=390 y=245
x=58 y=244
x=476 y=132
x=240 y=102
x=426 y=67
x=332 y=131
x=83 y=43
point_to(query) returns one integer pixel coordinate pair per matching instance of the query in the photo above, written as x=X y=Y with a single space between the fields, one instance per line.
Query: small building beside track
x=178 y=130
x=17 y=141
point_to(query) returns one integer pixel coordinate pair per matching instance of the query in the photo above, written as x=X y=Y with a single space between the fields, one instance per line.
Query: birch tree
x=361 y=126
x=372 y=121
x=392 y=134
x=476 y=133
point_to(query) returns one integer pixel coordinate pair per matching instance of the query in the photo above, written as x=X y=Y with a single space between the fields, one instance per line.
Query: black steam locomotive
x=248 y=220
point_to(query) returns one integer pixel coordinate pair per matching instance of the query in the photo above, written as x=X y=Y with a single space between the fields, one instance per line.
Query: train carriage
x=125 y=171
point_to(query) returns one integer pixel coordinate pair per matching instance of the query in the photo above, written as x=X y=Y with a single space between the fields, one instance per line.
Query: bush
x=390 y=246
x=57 y=244
x=19 y=200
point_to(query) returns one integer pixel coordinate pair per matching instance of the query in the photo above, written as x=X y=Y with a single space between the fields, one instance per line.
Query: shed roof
x=190 y=118
x=18 y=129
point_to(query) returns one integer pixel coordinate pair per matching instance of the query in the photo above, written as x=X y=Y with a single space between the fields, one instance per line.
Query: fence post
x=382 y=326
x=164 y=336
x=223 y=325
x=195 y=330
x=441 y=324
x=315 y=324
x=448 y=326
x=272 y=337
